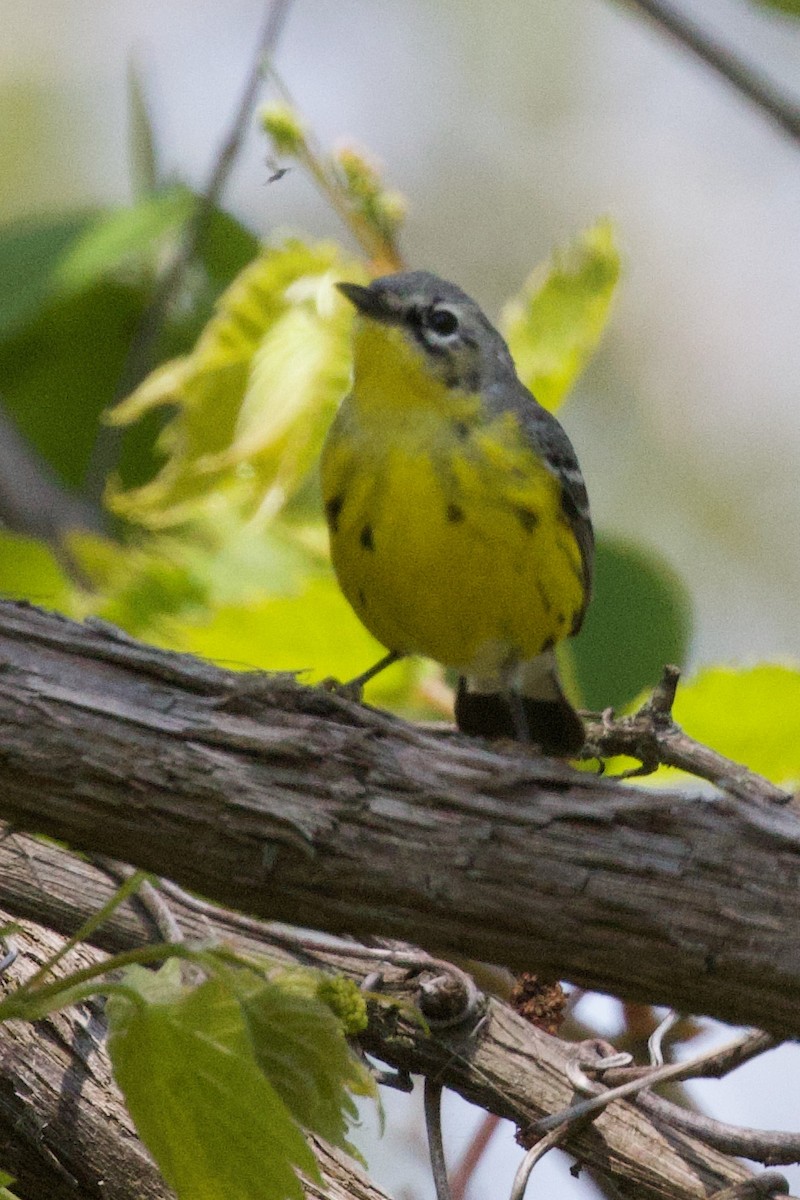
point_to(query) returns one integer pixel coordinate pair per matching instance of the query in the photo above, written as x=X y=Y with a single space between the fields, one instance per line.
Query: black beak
x=368 y=301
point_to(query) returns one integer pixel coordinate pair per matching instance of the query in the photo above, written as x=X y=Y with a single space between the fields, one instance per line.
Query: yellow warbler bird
x=458 y=516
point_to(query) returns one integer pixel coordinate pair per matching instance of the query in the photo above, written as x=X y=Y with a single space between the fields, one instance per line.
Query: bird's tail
x=533 y=704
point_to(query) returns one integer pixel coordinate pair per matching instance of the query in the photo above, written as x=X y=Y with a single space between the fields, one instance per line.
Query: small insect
x=276 y=171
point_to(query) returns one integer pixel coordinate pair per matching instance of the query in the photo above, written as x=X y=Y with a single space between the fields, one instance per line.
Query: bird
x=458 y=515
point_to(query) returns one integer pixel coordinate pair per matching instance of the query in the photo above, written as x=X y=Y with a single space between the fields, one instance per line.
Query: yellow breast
x=447 y=534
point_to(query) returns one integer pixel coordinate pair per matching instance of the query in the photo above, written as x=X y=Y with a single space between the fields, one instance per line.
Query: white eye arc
x=441 y=321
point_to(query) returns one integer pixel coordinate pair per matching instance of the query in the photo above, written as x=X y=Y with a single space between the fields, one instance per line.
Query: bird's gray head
x=448 y=329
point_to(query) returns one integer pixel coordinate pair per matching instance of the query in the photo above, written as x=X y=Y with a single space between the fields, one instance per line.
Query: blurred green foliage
x=640 y=618
x=792 y=7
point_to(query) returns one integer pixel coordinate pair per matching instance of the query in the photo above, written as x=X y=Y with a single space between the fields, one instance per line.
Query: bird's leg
x=519 y=717
x=354 y=687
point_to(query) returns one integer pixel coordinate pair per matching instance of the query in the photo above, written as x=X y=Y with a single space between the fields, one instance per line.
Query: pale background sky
x=509 y=127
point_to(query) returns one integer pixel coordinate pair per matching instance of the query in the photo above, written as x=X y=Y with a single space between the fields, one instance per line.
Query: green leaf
x=61 y=371
x=749 y=714
x=640 y=618
x=211 y=1119
x=30 y=252
x=125 y=238
x=29 y=571
x=301 y=1048
x=142 y=140
x=225 y=248
x=554 y=326
x=5 y=1192
x=790 y=7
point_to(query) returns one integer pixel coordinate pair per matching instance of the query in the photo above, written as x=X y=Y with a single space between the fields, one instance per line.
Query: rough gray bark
x=506 y=1065
x=64 y=1129
x=293 y=804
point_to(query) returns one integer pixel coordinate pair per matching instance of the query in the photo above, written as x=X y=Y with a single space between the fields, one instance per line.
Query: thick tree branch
x=501 y=1063
x=295 y=804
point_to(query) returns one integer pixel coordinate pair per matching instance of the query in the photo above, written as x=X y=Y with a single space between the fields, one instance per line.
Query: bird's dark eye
x=442 y=321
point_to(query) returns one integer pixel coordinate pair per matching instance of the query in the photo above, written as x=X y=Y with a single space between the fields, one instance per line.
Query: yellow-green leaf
x=29 y=571
x=749 y=714
x=301 y=1047
x=202 y=1105
x=254 y=397
x=553 y=327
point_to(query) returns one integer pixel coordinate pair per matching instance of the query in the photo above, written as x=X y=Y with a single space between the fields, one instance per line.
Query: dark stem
x=141 y=352
x=746 y=78
x=433 y=1126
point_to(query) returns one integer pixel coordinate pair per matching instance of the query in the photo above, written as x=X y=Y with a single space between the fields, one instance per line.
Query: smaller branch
x=433 y=1128
x=746 y=78
x=727 y=1059
x=733 y=1055
x=146 y=895
x=771 y=1183
x=768 y=1146
x=381 y=251
x=652 y=736
x=33 y=501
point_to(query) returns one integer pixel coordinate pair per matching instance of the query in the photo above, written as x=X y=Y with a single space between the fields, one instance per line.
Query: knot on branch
x=449 y=997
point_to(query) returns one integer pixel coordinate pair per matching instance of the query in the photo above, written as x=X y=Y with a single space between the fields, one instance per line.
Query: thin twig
x=433 y=1127
x=652 y=736
x=33 y=500
x=535 y=1154
x=655 y=1043
x=715 y=1067
x=745 y=77
x=139 y=358
x=154 y=905
x=586 y=1108
x=383 y=254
